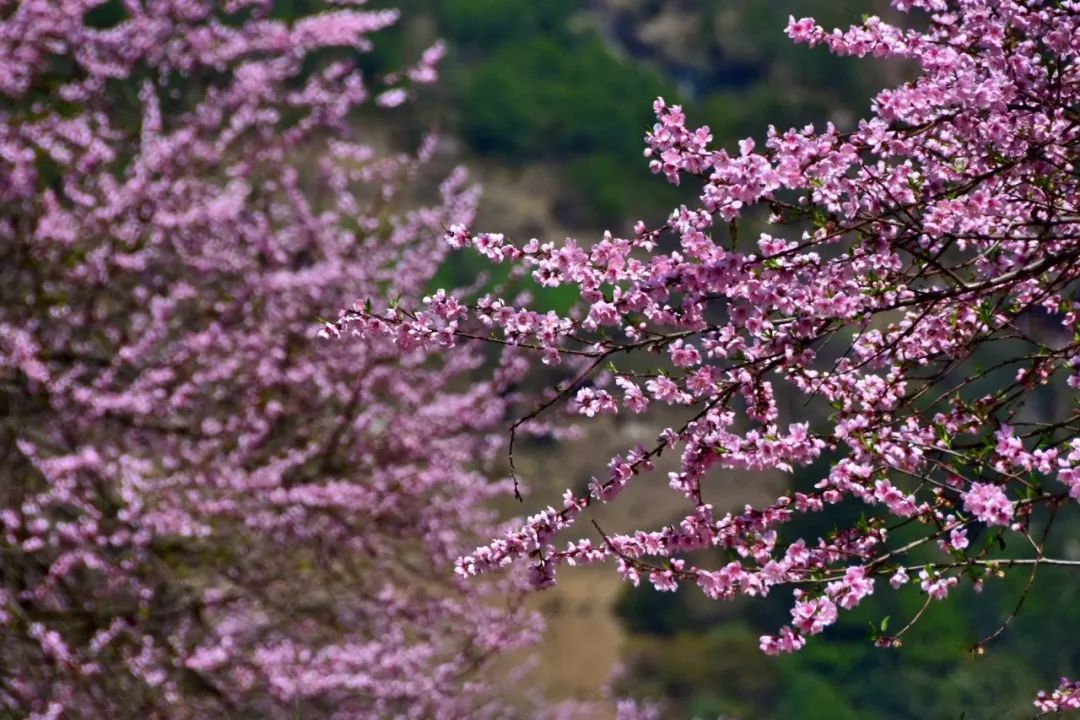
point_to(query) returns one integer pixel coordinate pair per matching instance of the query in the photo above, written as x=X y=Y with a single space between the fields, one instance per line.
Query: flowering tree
x=202 y=511
x=911 y=297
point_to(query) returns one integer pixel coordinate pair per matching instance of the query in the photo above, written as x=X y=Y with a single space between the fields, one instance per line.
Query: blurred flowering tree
x=912 y=301
x=201 y=510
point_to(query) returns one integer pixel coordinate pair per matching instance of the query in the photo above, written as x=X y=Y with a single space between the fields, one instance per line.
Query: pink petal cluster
x=1064 y=698
x=989 y=504
x=845 y=341
x=204 y=510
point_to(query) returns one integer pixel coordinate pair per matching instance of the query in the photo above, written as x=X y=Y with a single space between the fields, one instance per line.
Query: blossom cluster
x=204 y=511
x=1064 y=698
x=907 y=287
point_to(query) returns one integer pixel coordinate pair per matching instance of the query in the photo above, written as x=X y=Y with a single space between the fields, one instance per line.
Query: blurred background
x=547 y=103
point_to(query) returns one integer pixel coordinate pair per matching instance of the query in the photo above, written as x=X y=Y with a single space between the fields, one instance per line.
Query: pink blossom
x=989 y=504
x=591 y=402
x=222 y=510
x=936 y=586
x=665 y=390
x=898 y=255
x=1064 y=698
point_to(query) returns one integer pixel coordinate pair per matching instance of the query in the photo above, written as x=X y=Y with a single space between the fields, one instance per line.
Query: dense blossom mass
x=203 y=511
x=908 y=288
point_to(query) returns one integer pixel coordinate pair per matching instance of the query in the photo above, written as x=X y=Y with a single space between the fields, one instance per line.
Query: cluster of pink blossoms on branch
x=204 y=511
x=1066 y=697
x=892 y=311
